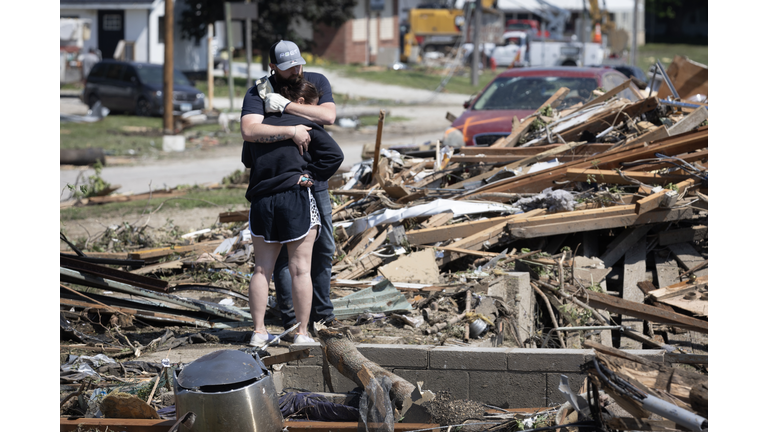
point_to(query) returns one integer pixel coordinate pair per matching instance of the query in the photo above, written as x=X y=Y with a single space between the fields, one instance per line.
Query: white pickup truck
x=519 y=50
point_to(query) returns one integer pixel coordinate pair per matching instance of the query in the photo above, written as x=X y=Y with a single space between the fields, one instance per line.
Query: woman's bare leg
x=300 y=264
x=265 y=255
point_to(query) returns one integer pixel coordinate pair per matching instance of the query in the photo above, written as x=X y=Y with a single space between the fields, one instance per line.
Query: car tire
x=92 y=99
x=143 y=109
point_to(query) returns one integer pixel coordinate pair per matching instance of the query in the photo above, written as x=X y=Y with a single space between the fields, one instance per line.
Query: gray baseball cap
x=285 y=54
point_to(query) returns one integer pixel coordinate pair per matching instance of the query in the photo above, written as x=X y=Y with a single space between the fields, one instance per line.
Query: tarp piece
x=459 y=208
x=313 y=406
x=382 y=297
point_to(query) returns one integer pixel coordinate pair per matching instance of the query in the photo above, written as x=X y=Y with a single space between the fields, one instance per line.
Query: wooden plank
x=688 y=257
x=643 y=311
x=682 y=235
x=660 y=132
x=609 y=176
x=536 y=182
x=466 y=251
x=544 y=155
x=130 y=311
x=655 y=216
x=634 y=272
x=689 y=122
x=235 y=216
x=138 y=197
x=474 y=242
x=438 y=220
x=454 y=231
x=511 y=140
x=687 y=358
x=589 y=148
x=623 y=243
x=602 y=121
x=365 y=238
x=573 y=216
x=498 y=160
x=515 y=135
x=667 y=272
x=607 y=95
x=202 y=247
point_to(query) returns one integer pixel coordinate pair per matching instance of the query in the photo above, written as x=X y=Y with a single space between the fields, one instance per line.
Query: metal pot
x=228 y=390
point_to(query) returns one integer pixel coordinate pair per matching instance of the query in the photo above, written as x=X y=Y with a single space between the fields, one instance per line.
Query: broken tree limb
x=551 y=313
x=341 y=352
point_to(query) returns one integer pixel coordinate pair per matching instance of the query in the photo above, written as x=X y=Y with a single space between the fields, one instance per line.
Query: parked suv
x=138 y=88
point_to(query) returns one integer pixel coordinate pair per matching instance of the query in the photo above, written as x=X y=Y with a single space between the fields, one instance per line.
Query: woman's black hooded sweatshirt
x=276 y=167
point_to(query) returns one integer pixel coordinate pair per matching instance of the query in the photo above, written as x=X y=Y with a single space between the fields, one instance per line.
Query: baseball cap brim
x=291 y=63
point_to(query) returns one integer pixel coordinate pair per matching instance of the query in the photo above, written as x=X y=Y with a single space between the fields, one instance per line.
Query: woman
x=283 y=210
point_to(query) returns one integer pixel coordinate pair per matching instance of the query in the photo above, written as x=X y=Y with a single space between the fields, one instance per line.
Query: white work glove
x=275 y=102
x=264 y=86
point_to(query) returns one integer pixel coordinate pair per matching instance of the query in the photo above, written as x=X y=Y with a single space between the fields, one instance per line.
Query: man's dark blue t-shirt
x=254 y=104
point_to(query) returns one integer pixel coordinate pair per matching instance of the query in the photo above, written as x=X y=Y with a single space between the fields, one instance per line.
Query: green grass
x=221 y=87
x=225 y=199
x=374 y=120
x=649 y=53
x=127 y=135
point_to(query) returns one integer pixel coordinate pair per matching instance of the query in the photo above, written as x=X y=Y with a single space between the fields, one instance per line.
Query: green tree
x=274 y=21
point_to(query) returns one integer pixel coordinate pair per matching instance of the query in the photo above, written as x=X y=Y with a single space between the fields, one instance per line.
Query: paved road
x=425 y=108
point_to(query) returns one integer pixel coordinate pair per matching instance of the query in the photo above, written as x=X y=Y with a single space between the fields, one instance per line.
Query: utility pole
x=633 y=54
x=476 y=45
x=231 y=52
x=248 y=50
x=210 y=67
x=168 y=70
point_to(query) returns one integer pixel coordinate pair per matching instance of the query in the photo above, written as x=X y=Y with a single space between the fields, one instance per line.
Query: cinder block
x=309 y=378
x=460 y=358
x=173 y=143
x=546 y=359
x=397 y=356
x=315 y=354
x=341 y=384
x=554 y=395
x=454 y=382
x=508 y=389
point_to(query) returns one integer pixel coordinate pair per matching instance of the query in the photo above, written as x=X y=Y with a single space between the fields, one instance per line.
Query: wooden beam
x=643 y=311
x=146 y=254
x=235 y=216
x=688 y=257
x=454 y=231
x=607 y=95
x=511 y=140
x=590 y=148
x=622 y=243
x=655 y=216
x=610 y=176
x=682 y=235
x=536 y=182
x=634 y=272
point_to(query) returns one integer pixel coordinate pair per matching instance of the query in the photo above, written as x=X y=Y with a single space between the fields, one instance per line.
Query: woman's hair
x=302 y=88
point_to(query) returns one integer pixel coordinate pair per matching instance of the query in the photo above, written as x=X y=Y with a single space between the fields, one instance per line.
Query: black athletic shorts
x=285 y=216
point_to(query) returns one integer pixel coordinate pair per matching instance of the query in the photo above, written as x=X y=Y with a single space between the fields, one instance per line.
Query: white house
x=140 y=24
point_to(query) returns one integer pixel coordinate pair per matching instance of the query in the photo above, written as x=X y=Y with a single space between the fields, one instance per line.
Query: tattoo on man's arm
x=272 y=138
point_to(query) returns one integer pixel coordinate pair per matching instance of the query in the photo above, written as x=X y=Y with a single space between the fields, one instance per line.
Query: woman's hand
x=301 y=138
x=305 y=181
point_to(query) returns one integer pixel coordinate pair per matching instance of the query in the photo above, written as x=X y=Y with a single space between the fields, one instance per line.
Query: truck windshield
x=529 y=93
x=153 y=75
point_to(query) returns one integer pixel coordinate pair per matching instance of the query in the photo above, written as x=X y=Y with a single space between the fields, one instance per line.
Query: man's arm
x=253 y=130
x=324 y=114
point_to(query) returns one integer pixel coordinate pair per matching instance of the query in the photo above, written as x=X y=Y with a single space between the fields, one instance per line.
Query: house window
x=161 y=29
x=112 y=22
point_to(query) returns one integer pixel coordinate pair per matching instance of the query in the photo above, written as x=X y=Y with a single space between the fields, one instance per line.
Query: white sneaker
x=259 y=339
x=300 y=339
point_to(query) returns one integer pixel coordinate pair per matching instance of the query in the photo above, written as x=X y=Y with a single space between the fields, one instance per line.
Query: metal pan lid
x=223 y=367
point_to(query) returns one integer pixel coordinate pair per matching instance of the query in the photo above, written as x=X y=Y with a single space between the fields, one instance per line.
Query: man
x=286 y=66
x=88 y=61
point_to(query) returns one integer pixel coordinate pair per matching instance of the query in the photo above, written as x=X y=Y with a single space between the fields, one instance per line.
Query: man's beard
x=290 y=81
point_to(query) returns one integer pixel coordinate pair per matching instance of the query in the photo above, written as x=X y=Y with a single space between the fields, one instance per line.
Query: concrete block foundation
x=506 y=378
